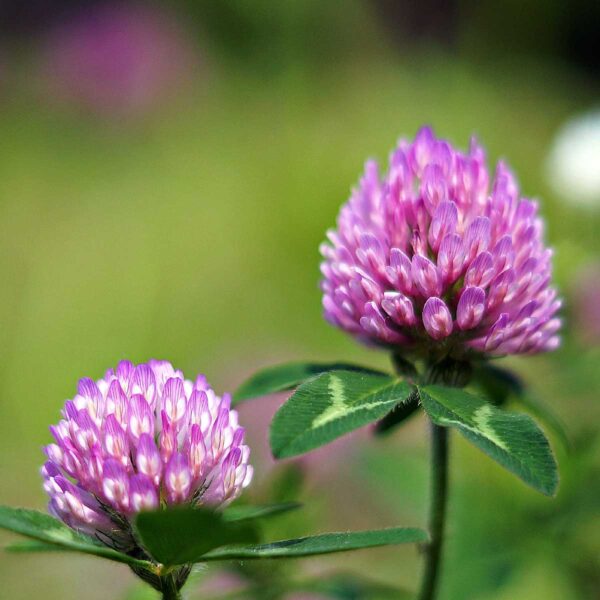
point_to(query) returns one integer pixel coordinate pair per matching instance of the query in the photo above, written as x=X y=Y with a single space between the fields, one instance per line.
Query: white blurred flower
x=573 y=165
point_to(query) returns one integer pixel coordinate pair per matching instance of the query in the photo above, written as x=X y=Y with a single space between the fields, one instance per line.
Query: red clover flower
x=430 y=257
x=138 y=439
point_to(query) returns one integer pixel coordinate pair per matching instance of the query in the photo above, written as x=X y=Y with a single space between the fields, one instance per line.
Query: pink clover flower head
x=141 y=438
x=435 y=257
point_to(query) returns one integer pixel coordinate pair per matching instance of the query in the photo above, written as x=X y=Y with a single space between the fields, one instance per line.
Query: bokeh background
x=167 y=173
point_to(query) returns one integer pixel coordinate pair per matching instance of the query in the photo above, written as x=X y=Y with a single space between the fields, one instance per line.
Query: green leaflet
x=320 y=544
x=331 y=405
x=47 y=530
x=288 y=376
x=513 y=440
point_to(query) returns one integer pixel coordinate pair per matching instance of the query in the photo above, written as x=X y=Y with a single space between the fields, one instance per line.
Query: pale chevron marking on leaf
x=441 y=420
x=483 y=428
x=339 y=408
x=482 y=425
x=482 y=419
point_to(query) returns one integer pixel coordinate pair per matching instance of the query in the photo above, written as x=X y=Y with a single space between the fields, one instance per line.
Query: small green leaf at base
x=331 y=405
x=288 y=376
x=513 y=440
x=325 y=543
x=47 y=530
x=183 y=535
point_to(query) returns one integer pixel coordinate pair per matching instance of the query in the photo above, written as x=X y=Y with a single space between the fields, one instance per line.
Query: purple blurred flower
x=586 y=301
x=430 y=257
x=117 y=60
x=142 y=437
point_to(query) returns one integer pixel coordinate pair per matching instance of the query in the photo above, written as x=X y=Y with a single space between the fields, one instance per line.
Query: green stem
x=437 y=511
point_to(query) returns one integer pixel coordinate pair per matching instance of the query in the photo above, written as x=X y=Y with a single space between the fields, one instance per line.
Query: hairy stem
x=169 y=588
x=437 y=511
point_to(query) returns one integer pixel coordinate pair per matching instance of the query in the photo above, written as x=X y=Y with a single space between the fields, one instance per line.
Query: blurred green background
x=167 y=173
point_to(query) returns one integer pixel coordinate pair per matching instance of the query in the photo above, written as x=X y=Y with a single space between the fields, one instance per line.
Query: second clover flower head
x=431 y=256
x=140 y=438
